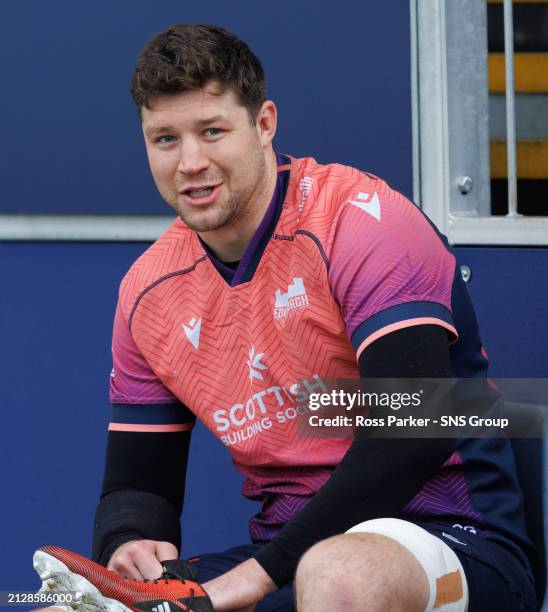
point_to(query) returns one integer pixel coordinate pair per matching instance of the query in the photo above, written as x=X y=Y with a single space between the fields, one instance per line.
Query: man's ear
x=266 y=122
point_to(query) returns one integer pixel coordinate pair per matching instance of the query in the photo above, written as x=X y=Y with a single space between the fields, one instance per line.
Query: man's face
x=207 y=160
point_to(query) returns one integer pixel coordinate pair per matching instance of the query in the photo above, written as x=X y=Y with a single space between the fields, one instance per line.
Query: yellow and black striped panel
x=532 y=159
x=530 y=20
x=530 y=73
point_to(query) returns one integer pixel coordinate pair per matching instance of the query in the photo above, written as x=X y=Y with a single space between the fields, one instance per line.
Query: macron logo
x=192 y=331
x=369 y=204
x=292 y=300
x=163 y=607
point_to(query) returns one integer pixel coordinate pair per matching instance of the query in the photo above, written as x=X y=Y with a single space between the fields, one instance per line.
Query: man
x=278 y=275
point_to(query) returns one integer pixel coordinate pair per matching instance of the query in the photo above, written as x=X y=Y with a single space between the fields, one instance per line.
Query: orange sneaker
x=97 y=588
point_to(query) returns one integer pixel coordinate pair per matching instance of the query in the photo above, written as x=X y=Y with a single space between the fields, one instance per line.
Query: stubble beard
x=238 y=205
x=208 y=220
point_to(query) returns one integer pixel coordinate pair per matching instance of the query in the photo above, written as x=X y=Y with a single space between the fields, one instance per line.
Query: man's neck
x=230 y=242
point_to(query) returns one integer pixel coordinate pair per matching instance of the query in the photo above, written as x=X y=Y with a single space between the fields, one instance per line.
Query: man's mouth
x=202 y=195
x=199 y=192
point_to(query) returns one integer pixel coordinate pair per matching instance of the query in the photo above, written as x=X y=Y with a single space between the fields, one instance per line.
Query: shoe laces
x=165 y=578
x=154 y=580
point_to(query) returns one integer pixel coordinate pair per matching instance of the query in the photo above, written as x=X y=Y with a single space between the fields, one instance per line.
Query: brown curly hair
x=186 y=57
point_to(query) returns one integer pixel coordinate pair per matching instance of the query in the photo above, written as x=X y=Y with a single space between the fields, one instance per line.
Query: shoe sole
x=56 y=576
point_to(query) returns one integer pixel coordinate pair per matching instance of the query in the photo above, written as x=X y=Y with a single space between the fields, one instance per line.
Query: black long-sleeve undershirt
x=143 y=490
x=376 y=477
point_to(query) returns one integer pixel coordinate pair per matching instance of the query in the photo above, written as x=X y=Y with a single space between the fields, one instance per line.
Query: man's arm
x=137 y=520
x=376 y=477
x=142 y=496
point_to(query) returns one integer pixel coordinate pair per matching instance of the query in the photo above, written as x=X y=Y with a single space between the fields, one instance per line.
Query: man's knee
x=353 y=569
x=338 y=555
x=321 y=561
x=326 y=573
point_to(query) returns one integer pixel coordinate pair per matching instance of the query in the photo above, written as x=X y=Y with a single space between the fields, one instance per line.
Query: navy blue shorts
x=497 y=580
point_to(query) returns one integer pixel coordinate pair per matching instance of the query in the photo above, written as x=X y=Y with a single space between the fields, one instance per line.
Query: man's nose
x=193 y=159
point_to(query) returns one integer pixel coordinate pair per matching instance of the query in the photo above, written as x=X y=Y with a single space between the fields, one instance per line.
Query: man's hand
x=141 y=559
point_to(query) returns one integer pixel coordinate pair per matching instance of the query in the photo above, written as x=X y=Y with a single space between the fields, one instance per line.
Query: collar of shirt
x=240 y=272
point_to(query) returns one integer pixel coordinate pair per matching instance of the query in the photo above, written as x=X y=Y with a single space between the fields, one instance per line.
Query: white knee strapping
x=438 y=560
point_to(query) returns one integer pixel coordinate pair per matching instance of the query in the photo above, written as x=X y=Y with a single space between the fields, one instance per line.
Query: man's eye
x=166 y=139
x=212 y=132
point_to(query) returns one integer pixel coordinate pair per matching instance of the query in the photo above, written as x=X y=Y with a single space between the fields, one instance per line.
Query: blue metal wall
x=71 y=135
x=509 y=289
x=71 y=143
